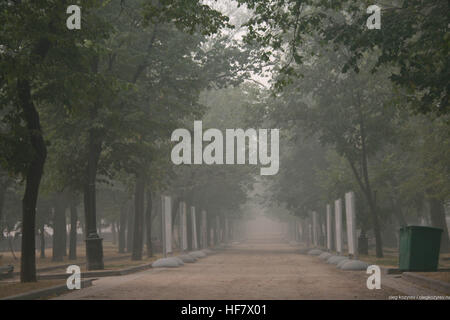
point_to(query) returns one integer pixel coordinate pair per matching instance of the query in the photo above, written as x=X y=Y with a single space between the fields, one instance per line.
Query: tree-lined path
x=255 y=269
x=147 y=131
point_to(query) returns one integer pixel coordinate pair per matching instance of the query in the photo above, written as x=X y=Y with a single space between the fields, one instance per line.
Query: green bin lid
x=420 y=228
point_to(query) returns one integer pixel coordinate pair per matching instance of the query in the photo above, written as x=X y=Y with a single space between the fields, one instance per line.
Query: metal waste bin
x=419 y=248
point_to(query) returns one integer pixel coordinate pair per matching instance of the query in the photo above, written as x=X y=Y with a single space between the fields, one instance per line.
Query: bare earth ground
x=109 y=250
x=8 y=288
x=256 y=269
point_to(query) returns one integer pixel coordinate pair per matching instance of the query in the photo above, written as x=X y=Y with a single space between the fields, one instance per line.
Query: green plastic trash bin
x=419 y=248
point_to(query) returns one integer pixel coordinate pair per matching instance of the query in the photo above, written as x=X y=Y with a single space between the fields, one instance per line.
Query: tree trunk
x=148 y=223
x=99 y=225
x=175 y=211
x=376 y=230
x=33 y=179
x=64 y=234
x=2 y=201
x=130 y=227
x=189 y=227
x=42 y=241
x=138 y=219
x=208 y=233
x=216 y=231
x=365 y=188
x=11 y=246
x=437 y=215
x=94 y=247
x=113 y=232
x=83 y=229
x=58 y=229
x=5 y=181
x=122 y=228
x=400 y=216
x=73 y=231
x=364 y=182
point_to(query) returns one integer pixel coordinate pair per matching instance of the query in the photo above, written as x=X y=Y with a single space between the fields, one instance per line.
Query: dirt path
x=253 y=270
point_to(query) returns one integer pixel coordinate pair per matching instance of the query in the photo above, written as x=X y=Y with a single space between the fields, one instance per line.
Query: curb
x=63 y=266
x=385 y=270
x=92 y=274
x=440 y=286
x=46 y=292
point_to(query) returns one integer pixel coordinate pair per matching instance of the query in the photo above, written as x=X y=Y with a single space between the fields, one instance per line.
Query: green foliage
x=188 y=16
x=219 y=189
x=413 y=38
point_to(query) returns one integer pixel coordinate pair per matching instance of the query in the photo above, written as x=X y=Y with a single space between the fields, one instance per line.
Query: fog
x=228 y=138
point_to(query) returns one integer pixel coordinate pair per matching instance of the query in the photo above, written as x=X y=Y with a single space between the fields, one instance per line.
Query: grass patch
x=390 y=259
x=12 y=288
x=109 y=251
x=387 y=261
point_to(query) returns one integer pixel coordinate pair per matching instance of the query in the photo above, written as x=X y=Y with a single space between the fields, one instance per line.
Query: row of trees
x=364 y=110
x=98 y=105
x=359 y=109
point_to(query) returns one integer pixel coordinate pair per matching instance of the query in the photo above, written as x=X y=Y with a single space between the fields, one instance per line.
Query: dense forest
x=86 y=115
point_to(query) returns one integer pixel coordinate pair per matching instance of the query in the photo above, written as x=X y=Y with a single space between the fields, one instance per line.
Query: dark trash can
x=419 y=248
x=363 y=244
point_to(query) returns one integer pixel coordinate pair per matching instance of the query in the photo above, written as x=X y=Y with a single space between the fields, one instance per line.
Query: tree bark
x=364 y=182
x=113 y=232
x=208 y=233
x=148 y=223
x=398 y=212
x=83 y=229
x=437 y=215
x=216 y=231
x=5 y=181
x=94 y=248
x=42 y=241
x=73 y=231
x=189 y=227
x=59 y=230
x=370 y=196
x=64 y=234
x=94 y=244
x=376 y=228
x=11 y=246
x=138 y=219
x=175 y=211
x=122 y=228
x=365 y=188
x=99 y=223
x=130 y=227
x=33 y=176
